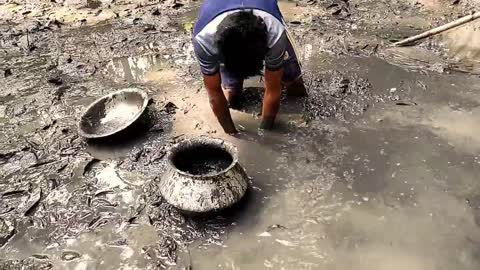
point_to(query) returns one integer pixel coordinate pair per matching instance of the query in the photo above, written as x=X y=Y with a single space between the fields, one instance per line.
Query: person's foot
x=297 y=88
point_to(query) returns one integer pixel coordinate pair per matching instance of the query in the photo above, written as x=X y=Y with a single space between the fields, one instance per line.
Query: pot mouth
x=203 y=157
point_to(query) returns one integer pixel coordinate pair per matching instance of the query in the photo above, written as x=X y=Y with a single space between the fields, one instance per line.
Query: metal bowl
x=112 y=113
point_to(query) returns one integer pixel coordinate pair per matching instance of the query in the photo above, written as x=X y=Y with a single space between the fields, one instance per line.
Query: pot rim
x=226 y=146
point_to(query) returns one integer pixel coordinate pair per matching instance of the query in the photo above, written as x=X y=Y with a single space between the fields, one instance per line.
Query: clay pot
x=203 y=176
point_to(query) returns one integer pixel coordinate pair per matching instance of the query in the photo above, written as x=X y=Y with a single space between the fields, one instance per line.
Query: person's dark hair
x=242 y=42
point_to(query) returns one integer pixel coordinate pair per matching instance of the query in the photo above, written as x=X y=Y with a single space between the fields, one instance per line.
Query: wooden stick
x=439 y=29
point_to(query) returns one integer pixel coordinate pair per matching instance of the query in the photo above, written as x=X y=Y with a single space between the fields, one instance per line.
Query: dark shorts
x=291 y=71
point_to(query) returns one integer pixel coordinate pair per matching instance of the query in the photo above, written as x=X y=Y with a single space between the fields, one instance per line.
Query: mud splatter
x=337 y=96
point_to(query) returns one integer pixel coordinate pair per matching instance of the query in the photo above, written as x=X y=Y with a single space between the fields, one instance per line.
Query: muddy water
x=463 y=44
x=140 y=69
x=389 y=189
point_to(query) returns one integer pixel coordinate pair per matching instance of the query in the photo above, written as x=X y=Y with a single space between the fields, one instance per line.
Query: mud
x=376 y=169
x=336 y=97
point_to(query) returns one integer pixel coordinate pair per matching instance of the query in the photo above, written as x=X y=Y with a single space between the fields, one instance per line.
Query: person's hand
x=242 y=136
x=237 y=131
x=231 y=131
x=267 y=123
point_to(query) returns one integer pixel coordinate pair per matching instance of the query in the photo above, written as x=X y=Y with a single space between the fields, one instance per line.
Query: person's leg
x=232 y=87
x=292 y=74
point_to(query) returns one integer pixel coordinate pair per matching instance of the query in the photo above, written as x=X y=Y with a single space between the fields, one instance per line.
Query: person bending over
x=237 y=39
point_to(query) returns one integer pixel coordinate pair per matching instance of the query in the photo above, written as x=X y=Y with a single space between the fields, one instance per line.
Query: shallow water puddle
x=109 y=176
x=459 y=127
x=113 y=247
x=110 y=248
x=365 y=195
x=414 y=58
x=463 y=43
x=313 y=209
x=146 y=68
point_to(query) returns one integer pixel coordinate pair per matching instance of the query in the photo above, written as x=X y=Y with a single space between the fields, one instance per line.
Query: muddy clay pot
x=204 y=176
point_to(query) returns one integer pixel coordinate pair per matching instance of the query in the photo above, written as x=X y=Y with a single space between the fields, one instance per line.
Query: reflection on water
x=414 y=58
x=463 y=43
x=143 y=68
x=108 y=249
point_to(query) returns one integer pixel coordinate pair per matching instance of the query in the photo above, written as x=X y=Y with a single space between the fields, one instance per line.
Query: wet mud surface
x=376 y=169
x=336 y=97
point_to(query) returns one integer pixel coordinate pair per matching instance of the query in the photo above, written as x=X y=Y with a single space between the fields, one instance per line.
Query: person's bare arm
x=271 y=99
x=218 y=102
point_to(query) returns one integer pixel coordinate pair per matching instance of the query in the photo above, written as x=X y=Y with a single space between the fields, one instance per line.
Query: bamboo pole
x=439 y=29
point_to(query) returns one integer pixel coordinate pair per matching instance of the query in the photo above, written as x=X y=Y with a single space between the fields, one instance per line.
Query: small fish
x=274 y=227
x=13 y=193
x=40 y=256
x=285 y=243
x=265 y=234
x=406 y=103
x=70 y=255
x=103 y=192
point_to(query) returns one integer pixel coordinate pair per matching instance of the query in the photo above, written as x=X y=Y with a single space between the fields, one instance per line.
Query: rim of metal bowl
x=229 y=148
x=127 y=124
